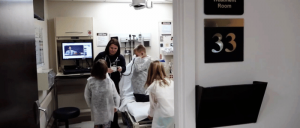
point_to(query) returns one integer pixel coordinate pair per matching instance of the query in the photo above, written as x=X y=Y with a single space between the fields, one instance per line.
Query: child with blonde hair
x=101 y=95
x=161 y=93
x=139 y=76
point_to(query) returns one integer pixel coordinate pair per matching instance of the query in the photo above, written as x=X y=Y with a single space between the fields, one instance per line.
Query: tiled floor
x=90 y=124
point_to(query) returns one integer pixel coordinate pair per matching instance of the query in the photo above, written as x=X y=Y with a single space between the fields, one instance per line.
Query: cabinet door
x=74 y=26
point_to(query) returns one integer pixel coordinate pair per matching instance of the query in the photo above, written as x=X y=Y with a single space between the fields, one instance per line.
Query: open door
x=18 y=75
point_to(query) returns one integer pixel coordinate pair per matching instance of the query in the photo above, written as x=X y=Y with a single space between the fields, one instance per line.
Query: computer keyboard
x=76 y=71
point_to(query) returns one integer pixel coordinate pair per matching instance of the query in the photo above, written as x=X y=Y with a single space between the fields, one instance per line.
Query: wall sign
x=224 y=7
x=166 y=28
x=39 y=49
x=102 y=39
x=223 y=40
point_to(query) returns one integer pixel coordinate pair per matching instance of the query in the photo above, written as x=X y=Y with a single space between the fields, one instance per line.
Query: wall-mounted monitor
x=77 y=50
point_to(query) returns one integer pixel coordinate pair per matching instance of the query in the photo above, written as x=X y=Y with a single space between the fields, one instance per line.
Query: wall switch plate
x=161 y=38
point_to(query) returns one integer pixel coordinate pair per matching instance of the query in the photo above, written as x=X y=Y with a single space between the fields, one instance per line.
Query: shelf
x=167 y=53
x=75 y=75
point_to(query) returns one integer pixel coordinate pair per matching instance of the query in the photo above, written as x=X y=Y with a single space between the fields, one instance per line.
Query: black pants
x=141 y=97
x=115 y=124
x=116 y=81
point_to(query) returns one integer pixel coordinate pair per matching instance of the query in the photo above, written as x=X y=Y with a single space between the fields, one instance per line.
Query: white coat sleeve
x=153 y=102
x=140 y=64
x=87 y=94
x=116 y=96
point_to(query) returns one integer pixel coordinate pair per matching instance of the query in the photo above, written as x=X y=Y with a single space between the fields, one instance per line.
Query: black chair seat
x=66 y=113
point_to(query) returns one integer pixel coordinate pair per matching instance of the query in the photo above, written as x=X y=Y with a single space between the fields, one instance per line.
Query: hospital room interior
x=149 y=64
x=69 y=24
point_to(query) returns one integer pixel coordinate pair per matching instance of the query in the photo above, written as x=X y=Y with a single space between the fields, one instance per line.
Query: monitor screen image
x=77 y=50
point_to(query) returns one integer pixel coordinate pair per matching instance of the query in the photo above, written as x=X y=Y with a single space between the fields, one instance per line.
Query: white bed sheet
x=126 y=91
x=139 y=110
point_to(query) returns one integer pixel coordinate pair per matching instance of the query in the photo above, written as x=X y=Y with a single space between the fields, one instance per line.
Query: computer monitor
x=77 y=50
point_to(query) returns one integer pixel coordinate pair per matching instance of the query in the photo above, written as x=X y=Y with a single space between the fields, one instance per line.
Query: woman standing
x=116 y=65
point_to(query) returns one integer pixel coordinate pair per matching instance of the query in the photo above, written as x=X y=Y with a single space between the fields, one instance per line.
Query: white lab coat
x=139 y=76
x=162 y=104
x=102 y=97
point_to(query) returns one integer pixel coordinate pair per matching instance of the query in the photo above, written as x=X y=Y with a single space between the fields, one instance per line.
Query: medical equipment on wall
x=167 y=50
x=141 y=4
x=46 y=79
x=128 y=41
x=131 y=42
x=170 y=67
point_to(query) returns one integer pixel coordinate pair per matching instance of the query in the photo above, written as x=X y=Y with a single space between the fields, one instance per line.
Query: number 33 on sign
x=223 y=40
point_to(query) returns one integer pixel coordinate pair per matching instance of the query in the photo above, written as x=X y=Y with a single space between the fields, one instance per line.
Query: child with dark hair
x=101 y=95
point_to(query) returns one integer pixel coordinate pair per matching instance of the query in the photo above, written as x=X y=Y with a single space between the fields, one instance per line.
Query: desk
x=69 y=92
x=60 y=74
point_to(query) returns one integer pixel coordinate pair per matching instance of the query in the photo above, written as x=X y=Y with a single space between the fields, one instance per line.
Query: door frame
x=184 y=18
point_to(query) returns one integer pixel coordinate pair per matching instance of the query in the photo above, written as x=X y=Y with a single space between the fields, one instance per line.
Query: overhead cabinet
x=73 y=26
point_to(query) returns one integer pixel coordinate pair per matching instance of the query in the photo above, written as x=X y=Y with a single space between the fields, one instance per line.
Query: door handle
x=45 y=112
x=37 y=111
x=41 y=109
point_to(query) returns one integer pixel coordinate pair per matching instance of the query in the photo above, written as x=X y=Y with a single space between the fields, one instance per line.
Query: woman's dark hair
x=99 y=69
x=115 y=42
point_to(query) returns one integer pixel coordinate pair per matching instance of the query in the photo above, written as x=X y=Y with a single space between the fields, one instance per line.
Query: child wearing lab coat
x=139 y=75
x=161 y=93
x=101 y=95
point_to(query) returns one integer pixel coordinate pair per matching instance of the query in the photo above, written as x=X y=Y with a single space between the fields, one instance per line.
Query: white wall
x=114 y=18
x=48 y=104
x=43 y=24
x=271 y=54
